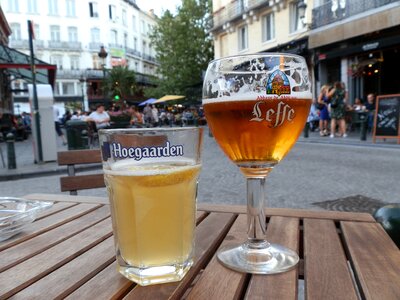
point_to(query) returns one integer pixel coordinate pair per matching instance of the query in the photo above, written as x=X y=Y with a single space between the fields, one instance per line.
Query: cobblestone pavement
x=311 y=173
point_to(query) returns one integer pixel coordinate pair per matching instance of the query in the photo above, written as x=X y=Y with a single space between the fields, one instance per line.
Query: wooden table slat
x=376 y=260
x=282 y=231
x=327 y=275
x=27 y=272
x=48 y=223
x=55 y=208
x=20 y=252
x=84 y=267
x=217 y=281
x=294 y=213
x=107 y=284
x=209 y=234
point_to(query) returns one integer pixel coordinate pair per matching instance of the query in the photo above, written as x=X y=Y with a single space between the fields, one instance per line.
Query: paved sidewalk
x=27 y=168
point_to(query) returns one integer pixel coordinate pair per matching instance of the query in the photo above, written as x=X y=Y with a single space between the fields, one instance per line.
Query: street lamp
x=301 y=9
x=85 y=106
x=103 y=55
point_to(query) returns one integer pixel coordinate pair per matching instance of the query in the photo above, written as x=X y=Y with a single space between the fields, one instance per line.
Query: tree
x=119 y=84
x=184 y=49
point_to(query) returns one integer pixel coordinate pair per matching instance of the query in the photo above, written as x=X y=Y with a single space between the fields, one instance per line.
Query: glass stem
x=256 y=225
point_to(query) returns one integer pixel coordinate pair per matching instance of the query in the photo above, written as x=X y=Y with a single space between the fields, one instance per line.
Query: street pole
x=35 y=97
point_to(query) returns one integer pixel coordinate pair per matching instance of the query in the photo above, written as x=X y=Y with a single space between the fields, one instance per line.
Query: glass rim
x=121 y=130
x=258 y=54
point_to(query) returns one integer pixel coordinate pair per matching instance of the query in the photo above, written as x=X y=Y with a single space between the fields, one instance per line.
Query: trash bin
x=77 y=135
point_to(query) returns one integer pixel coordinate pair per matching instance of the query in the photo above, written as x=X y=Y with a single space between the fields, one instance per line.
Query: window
x=134 y=43
x=111 y=12
x=93 y=10
x=13 y=5
x=36 y=29
x=70 y=8
x=134 y=26
x=243 y=38
x=125 y=40
x=124 y=21
x=144 y=50
x=268 y=27
x=56 y=60
x=68 y=88
x=142 y=27
x=95 y=35
x=55 y=33
x=53 y=7
x=113 y=37
x=295 y=22
x=74 y=62
x=32 y=7
x=72 y=34
x=16 y=32
x=148 y=28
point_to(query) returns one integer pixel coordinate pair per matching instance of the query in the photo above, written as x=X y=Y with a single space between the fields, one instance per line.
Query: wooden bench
x=73 y=182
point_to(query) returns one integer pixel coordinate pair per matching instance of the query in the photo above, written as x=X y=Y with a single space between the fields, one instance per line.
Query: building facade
x=357 y=42
x=70 y=34
x=249 y=26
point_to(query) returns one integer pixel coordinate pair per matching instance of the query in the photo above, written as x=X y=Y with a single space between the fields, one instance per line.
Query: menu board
x=387 y=117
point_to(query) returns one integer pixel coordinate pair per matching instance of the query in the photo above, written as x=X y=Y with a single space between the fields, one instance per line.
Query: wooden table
x=68 y=252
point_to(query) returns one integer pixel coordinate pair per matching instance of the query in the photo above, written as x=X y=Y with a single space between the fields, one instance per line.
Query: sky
x=158 y=7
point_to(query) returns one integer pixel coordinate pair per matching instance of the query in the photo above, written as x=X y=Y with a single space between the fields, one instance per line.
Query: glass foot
x=269 y=259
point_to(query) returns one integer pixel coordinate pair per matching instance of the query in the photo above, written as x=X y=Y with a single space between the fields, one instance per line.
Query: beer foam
x=150 y=167
x=246 y=77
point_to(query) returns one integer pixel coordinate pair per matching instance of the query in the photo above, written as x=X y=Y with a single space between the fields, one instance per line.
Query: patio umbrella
x=169 y=98
x=148 y=101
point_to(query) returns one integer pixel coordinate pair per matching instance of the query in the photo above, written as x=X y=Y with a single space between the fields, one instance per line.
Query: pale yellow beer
x=257 y=131
x=153 y=207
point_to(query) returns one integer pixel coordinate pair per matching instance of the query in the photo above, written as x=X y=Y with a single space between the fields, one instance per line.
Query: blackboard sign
x=387 y=117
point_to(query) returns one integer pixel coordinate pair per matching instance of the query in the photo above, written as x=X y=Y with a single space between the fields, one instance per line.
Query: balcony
x=335 y=11
x=149 y=58
x=133 y=52
x=19 y=44
x=95 y=46
x=235 y=11
x=56 y=45
x=69 y=74
x=73 y=46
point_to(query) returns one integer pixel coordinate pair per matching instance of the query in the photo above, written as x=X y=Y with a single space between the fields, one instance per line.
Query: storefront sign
x=370 y=46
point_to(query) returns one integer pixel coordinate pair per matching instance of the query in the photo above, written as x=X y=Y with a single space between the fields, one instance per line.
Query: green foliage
x=183 y=49
x=119 y=83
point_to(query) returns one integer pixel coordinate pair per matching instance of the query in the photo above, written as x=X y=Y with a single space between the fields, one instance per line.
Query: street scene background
x=343 y=174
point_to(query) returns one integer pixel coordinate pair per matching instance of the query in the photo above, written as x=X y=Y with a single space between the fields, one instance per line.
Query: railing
x=335 y=11
x=149 y=58
x=55 y=45
x=95 y=46
x=19 y=43
x=235 y=10
x=73 y=45
x=70 y=74
x=134 y=52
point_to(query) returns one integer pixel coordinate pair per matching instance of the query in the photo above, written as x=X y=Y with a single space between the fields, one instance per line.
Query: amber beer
x=153 y=210
x=260 y=131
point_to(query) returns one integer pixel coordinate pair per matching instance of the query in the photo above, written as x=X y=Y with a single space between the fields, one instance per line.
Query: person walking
x=338 y=99
x=323 y=102
x=57 y=124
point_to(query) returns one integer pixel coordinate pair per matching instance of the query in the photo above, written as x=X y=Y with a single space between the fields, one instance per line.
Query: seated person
x=100 y=117
x=358 y=106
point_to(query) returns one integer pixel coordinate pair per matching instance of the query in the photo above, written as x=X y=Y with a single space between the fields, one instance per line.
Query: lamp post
x=85 y=104
x=103 y=55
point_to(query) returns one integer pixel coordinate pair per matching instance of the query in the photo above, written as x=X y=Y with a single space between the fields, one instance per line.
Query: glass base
x=156 y=275
x=263 y=259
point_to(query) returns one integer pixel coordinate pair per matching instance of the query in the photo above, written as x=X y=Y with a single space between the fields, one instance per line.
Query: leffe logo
x=276 y=117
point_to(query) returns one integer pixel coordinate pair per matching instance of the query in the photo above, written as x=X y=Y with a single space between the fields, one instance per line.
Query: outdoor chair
x=73 y=182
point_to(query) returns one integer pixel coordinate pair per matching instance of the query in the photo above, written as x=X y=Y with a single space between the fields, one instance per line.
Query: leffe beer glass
x=256 y=107
x=151 y=177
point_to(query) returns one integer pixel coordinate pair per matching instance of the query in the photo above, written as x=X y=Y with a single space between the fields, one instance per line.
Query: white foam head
x=251 y=76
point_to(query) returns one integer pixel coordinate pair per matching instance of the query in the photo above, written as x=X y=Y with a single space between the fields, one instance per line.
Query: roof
x=19 y=65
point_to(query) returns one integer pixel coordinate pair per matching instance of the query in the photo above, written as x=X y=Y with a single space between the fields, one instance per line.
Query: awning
x=169 y=98
x=19 y=65
x=148 y=101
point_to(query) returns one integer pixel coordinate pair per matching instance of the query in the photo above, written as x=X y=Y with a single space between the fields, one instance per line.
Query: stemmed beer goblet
x=256 y=107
